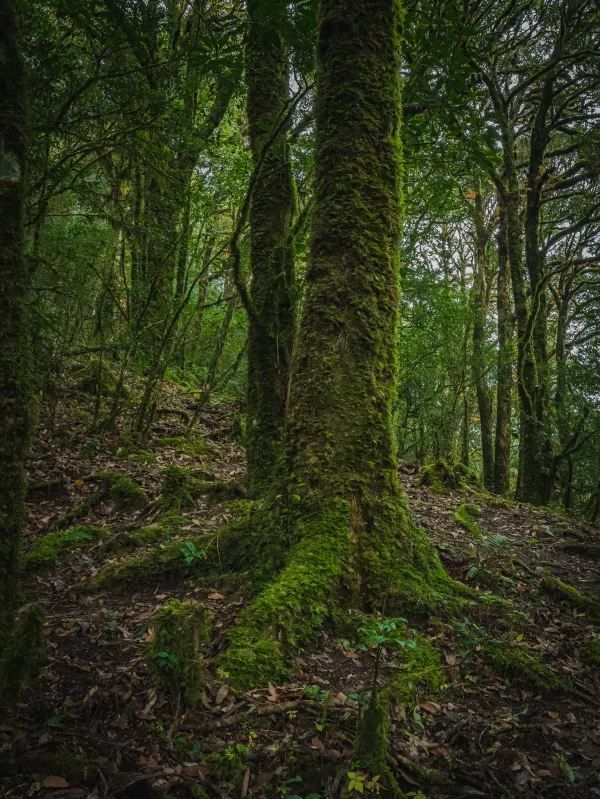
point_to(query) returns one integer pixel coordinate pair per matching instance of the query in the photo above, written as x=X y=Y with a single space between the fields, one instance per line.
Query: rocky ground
x=95 y=724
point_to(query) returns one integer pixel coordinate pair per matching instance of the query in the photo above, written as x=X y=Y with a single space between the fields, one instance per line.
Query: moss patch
x=123 y=490
x=466 y=515
x=587 y=550
x=174 y=656
x=188 y=446
x=569 y=595
x=163 y=530
x=47 y=548
x=520 y=665
x=177 y=489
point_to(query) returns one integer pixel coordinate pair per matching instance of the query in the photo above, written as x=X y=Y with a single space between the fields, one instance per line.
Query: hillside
x=488 y=721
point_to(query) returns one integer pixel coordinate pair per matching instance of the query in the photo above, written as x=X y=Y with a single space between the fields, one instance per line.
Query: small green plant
x=167 y=660
x=315 y=692
x=190 y=553
x=359 y=781
x=360 y=697
x=389 y=633
x=496 y=541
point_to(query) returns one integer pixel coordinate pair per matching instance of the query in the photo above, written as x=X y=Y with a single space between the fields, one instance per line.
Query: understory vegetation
x=299 y=399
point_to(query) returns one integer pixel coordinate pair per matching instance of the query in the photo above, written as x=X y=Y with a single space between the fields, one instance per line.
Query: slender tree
x=272 y=297
x=15 y=374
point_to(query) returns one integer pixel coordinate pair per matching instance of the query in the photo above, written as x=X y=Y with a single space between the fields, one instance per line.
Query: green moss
x=590 y=651
x=174 y=656
x=24 y=655
x=47 y=548
x=122 y=489
x=466 y=515
x=422 y=673
x=520 y=665
x=177 y=489
x=568 y=594
x=443 y=477
x=74 y=767
x=164 y=529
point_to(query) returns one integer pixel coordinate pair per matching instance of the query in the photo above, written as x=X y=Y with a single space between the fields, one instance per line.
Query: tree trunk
x=272 y=321
x=504 y=364
x=15 y=367
x=338 y=530
x=480 y=307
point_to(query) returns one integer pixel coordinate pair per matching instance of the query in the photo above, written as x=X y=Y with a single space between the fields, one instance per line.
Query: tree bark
x=272 y=321
x=15 y=367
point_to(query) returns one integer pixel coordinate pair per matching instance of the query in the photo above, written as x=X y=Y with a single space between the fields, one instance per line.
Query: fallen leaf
x=431 y=707
x=54 y=782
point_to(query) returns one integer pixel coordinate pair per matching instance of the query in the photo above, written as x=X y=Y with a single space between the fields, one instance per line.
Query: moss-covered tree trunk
x=15 y=396
x=504 y=380
x=341 y=520
x=480 y=308
x=272 y=320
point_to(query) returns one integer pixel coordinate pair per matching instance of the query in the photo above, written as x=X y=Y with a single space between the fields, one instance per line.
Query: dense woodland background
x=209 y=222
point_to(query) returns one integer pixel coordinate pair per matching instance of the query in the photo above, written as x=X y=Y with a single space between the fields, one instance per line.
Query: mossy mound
x=569 y=595
x=122 y=489
x=422 y=672
x=174 y=656
x=177 y=489
x=23 y=655
x=590 y=651
x=466 y=515
x=443 y=477
x=47 y=548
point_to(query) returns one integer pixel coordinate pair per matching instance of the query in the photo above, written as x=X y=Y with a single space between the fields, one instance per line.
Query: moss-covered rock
x=47 y=548
x=443 y=477
x=174 y=656
x=24 y=654
x=122 y=489
x=466 y=515
x=569 y=595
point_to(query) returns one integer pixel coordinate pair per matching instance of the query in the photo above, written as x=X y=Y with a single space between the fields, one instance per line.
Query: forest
x=299 y=399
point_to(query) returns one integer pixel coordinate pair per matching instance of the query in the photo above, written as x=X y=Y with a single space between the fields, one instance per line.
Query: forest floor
x=94 y=724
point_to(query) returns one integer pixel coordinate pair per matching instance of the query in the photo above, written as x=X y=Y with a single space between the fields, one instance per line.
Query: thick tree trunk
x=340 y=521
x=480 y=308
x=504 y=378
x=15 y=373
x=272 y=321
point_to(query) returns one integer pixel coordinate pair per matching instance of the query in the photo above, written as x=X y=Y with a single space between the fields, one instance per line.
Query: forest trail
x=95 y=725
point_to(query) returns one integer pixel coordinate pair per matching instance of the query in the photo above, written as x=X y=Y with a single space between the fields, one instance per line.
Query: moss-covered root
x=174 y=559
x=583 y=548
x=466 y=515
x=174 y=656
x=569 y=595
x=290 y=608
x=519 y=664
x=23 y=656
x=47 y=548
x=122 y=489
x=422 y=673
x=443 y=477
x=160 y=531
